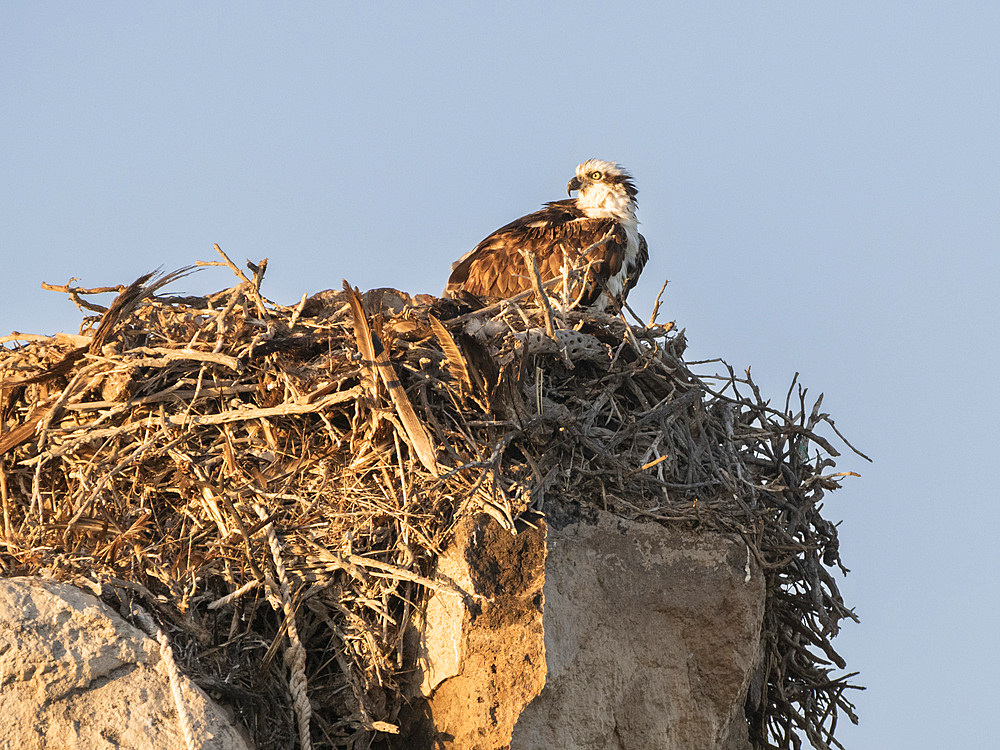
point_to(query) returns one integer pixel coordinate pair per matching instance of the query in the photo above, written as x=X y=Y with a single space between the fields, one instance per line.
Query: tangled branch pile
x=263 y=478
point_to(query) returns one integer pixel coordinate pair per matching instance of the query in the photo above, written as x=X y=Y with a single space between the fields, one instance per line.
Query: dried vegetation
x=273 y=484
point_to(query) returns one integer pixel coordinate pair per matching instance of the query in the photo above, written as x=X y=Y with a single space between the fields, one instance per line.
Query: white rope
x=167 y=655
x=295 y=654
x=232 y=596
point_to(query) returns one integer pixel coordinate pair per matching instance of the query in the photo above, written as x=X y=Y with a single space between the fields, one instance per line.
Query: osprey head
x=604 y=189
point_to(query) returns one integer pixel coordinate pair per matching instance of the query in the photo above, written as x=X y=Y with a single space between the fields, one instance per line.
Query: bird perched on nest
x=592 y=241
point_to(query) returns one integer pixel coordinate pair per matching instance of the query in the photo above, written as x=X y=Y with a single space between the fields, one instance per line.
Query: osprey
x=595 y=234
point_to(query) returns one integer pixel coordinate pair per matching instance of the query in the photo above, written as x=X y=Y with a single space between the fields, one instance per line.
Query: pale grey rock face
x=74 y=674
x=643 y=636
x=651 y=637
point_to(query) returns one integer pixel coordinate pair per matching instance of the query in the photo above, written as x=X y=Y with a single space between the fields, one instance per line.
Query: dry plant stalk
x=155 y=454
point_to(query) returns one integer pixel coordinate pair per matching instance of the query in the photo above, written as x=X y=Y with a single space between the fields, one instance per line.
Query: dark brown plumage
x=564 y=233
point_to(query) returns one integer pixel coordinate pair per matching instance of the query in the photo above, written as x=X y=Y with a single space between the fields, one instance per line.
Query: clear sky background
x=820 y=182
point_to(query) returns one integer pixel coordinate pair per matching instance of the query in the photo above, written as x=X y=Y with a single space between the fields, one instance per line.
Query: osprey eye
x=596 y=175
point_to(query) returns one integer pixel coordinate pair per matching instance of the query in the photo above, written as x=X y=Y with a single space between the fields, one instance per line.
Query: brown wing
x=558 y=233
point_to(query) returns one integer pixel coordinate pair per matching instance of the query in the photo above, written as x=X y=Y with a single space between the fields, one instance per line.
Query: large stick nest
x=266 y=479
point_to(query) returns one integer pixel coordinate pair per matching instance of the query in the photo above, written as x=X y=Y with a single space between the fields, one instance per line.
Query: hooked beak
x=572 y=185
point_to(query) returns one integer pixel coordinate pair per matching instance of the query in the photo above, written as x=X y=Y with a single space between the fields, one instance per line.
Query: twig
x=656 y=305
x=250 y=285
x=540 y=297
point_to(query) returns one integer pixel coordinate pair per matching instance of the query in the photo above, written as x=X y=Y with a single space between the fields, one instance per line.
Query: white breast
x=617 y=282
x=600 y=202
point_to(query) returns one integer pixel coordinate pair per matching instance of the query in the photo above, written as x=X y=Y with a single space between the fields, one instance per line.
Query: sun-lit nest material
x=273 y=484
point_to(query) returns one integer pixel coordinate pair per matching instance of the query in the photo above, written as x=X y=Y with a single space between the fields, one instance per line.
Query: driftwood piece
x=373 y=351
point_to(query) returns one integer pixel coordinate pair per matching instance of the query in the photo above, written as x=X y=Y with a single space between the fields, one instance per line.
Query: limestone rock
x=643 y=636
x=74 y=674
x=482 y=659
x=651 y=637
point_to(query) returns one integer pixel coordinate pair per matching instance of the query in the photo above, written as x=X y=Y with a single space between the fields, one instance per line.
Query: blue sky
x=820 y=182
